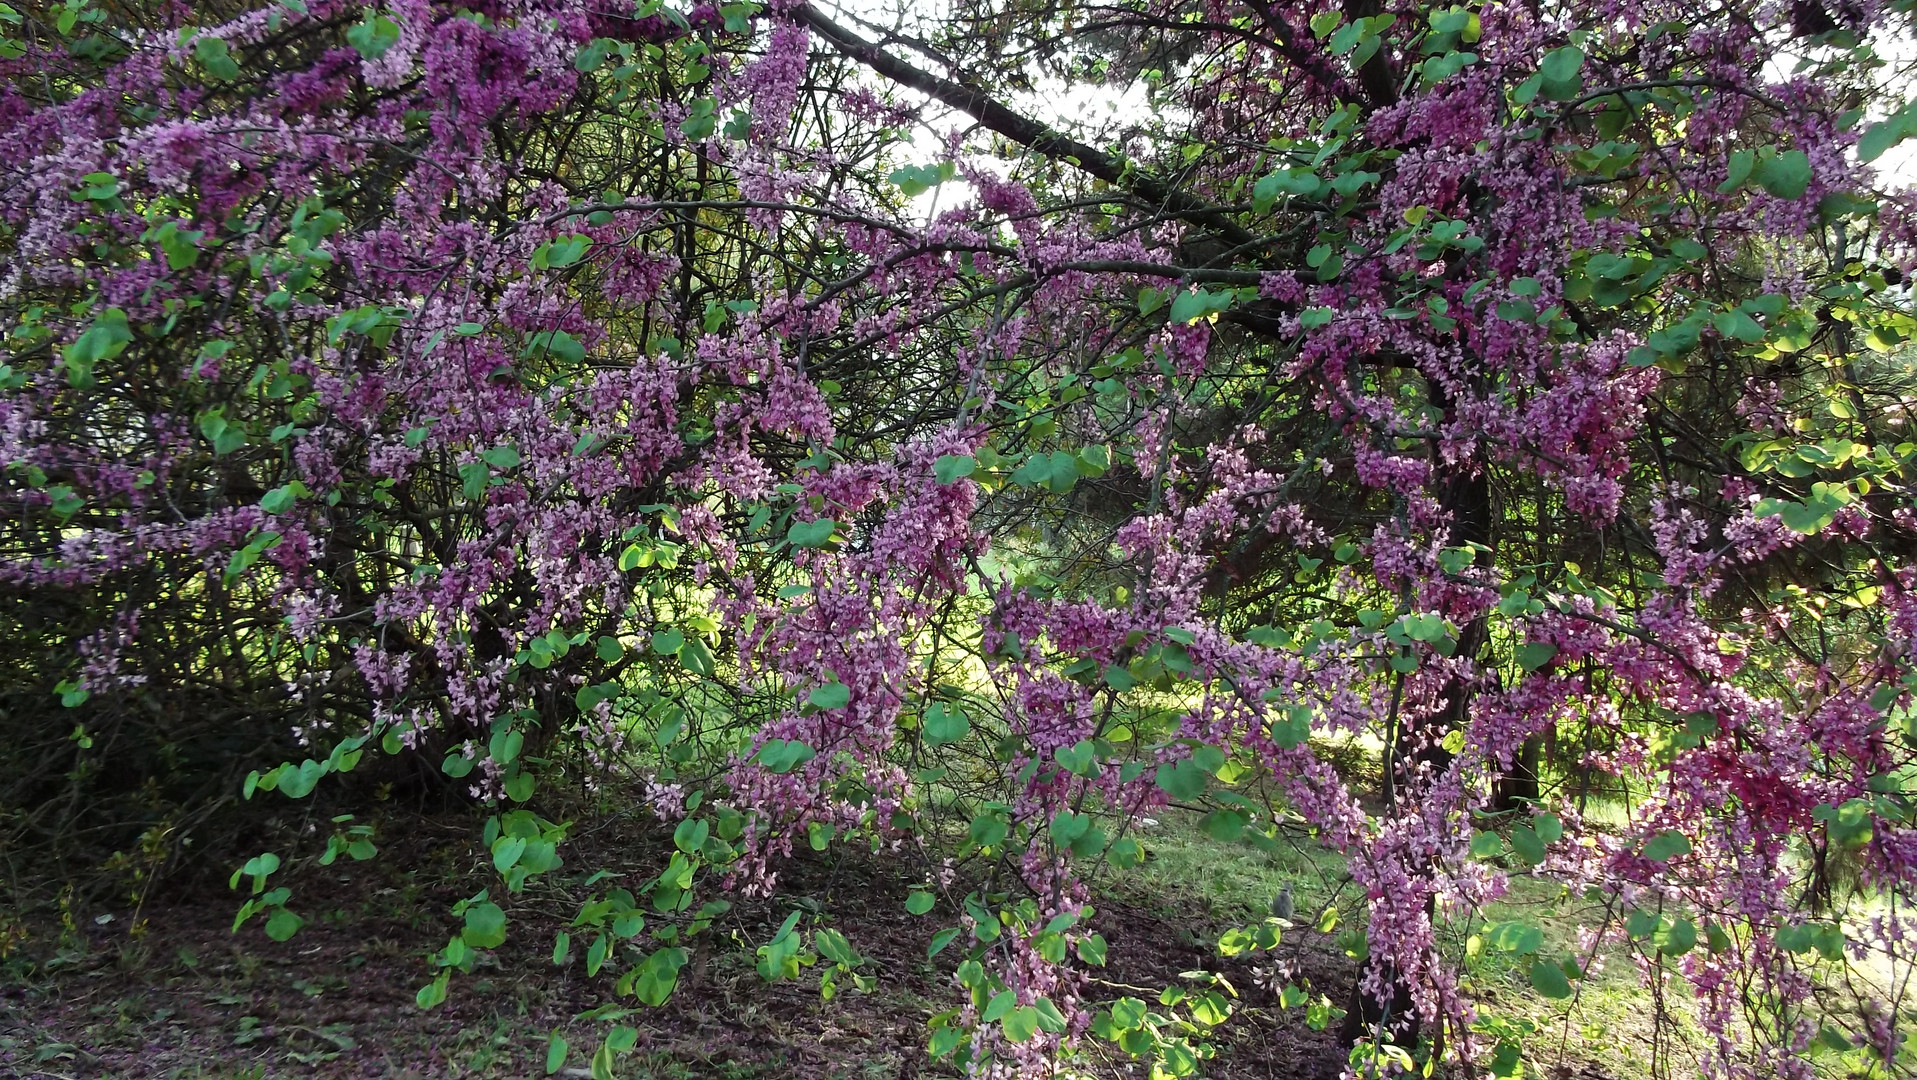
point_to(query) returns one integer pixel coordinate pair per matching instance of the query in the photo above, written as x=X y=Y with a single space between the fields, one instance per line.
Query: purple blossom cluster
x=366 y=339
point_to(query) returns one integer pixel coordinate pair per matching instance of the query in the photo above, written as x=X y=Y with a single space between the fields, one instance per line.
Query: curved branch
x=1025 y=131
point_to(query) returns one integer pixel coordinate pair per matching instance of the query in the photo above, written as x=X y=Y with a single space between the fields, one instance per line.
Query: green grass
x=1608 y=1022
x=1612 y=1015
x=1234 y=883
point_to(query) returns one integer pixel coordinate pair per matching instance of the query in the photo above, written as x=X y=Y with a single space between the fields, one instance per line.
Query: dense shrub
x=531 y=394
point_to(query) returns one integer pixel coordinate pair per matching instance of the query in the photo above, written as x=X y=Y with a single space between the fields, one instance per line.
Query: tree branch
x=1023 y=130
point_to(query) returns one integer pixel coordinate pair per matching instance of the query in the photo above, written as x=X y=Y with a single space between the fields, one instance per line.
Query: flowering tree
x=534 y=390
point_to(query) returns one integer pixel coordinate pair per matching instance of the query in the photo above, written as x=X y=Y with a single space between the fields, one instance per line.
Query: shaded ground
x=189 y=999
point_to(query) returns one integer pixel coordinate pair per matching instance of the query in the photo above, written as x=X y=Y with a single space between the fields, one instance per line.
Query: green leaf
x=700 y=122
x=283 y=924
x=1347 y=38
x=373 y=35
x=950 y=468
x=1068 y=826
x=485 y=926
x=1679 y=939
x=940 y=940
x=1208 y=758
x=1666 y=845
x=297 y=783
x=1515 y=937
x=1064 y=471
x=697 y=658
x=1091 y=949
x=782 y=756
x=281 y=499
x=1787 y=175
x=1021 y=1023
x=99 y=186
x=554 y=343
x=1641 y=924
x=1793 y=939
x=1182 y=780
x=1549 y=979
x=988 y=830
x=555 y=1053
x=832 y=695
x=1738 y=171
x=833 y=946
x=1080 y=758
x=1293 y=729
x=562 y=251
x=106 y=338
x=1536 y=654
x=659 y=975
x=224 y=436
x=506 y=852
x=1849 y=825
x=182 y=246
x=433 y=992
x=920 y=902
x=1526 y=842
x=501 y=457
x=1562 y=64
x=915 y=180
x=1058 y=471
x=1808 y=519
x=811 y=534
x=1093 y=461
x=1125 y=853
x=668 y=642
x=259 y=866
x=1195 y=304
x=945 y=724
x=212 y=54
x=691 y=835
x=1049 y=1018
x=473 y=480
x=1293 y=182
x=944 y=1040
x=1883 y=135
x=1738 y=325
x=505 y=745
x=1716 y=937
x=1223 y=826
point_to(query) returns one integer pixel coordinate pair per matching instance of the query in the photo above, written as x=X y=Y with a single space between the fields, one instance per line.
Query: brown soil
x=191 y=1000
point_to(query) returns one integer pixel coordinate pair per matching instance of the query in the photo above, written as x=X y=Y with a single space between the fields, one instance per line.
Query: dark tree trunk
x=1520 y=782
x=1363 y=1014
x=1464 y=491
